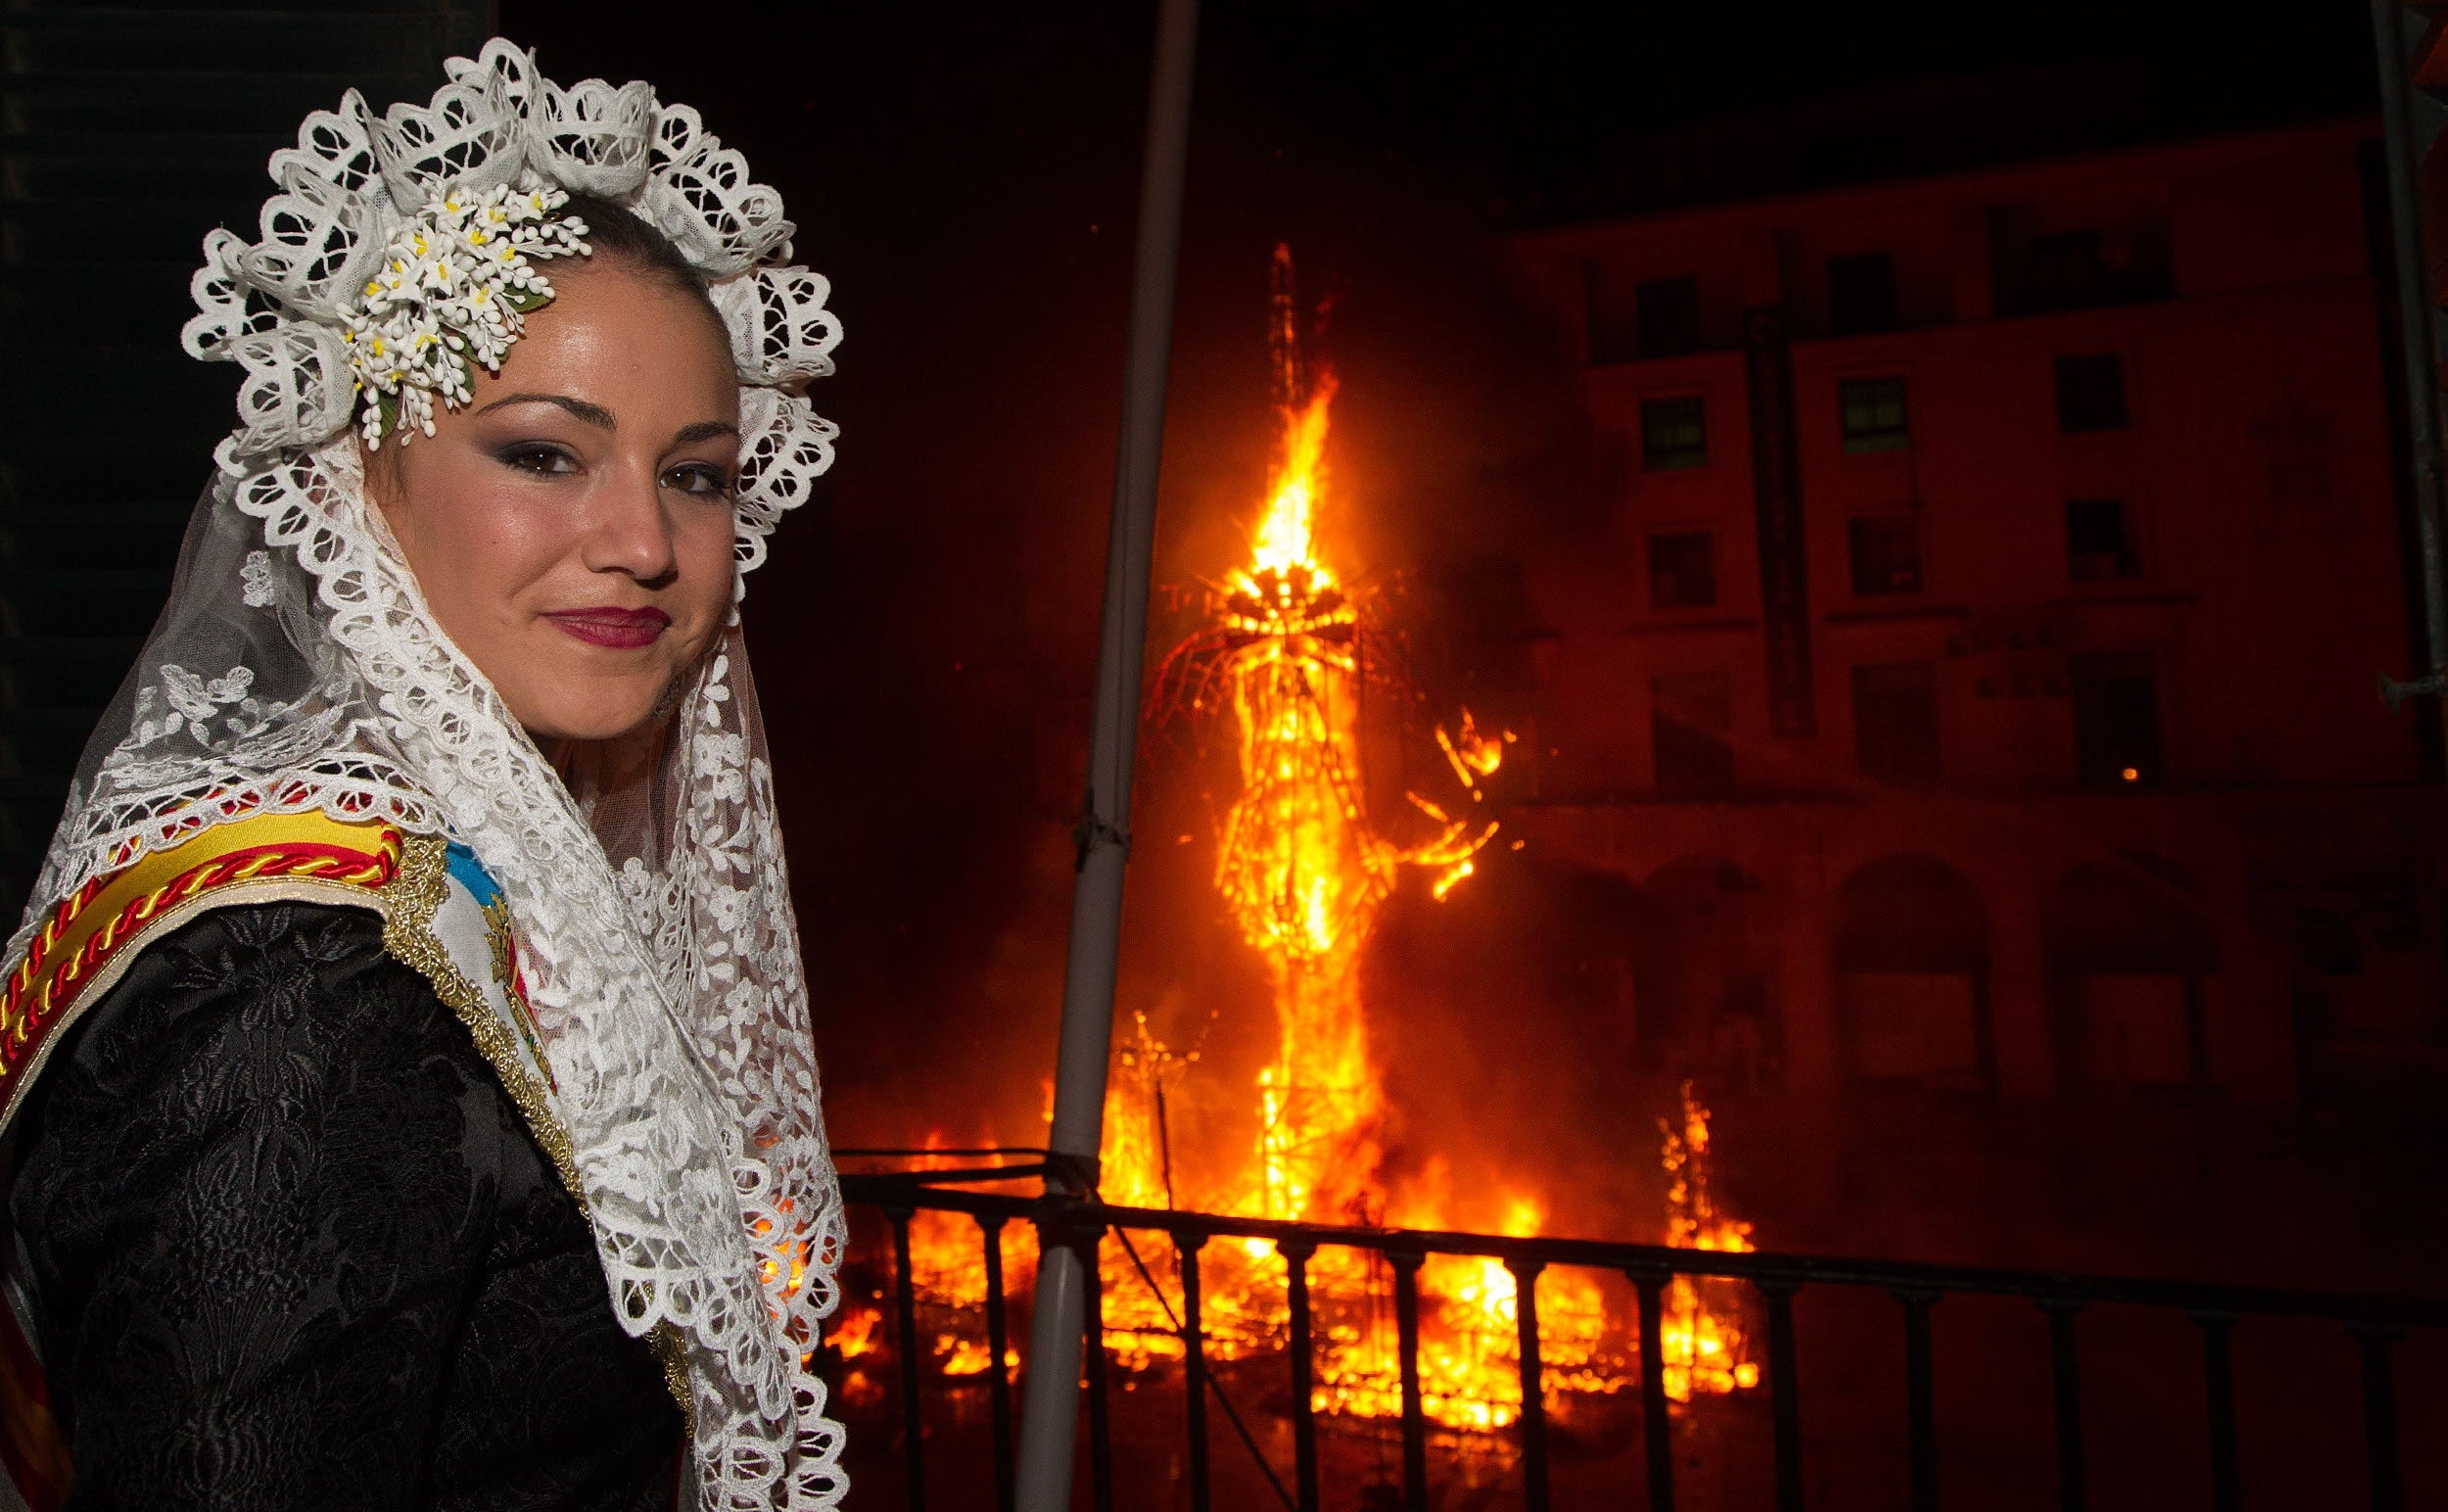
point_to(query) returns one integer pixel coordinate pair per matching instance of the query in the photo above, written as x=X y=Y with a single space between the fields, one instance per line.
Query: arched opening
x=2130 y=959
x=1912 y=975
x=1705 y=975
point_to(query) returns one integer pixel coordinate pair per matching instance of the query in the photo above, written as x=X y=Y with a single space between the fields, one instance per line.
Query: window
x=1673 y=434
x=1860 y=293
x=2069 y=270
x=1670 y=316
x=1873 y=414
x=1895 y=723
x=2035 y=272
x=1682 y=570
x=2091 y=392
x=2099 y=545
x=2141 y=1030
x=1689 y=716
x=1920 y=1027
x=1886 y=551
x=1912 y=975
x=2116 y=721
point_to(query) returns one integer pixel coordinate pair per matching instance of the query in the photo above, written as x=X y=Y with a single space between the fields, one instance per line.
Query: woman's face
x=571 y=524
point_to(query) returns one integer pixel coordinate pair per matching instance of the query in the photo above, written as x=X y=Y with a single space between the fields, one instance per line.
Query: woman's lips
x=620 y=630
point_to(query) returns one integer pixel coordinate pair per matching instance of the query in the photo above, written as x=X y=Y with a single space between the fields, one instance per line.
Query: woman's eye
x=702 y=479
x=537 y=458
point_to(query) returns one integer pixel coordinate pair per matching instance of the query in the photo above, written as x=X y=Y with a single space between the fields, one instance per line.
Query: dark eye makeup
x=537 y=456
x=706 y=480
x=703 y=480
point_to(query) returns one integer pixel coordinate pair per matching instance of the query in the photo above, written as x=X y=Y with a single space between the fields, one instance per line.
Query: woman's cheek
x=710 y=566
x=516 y=546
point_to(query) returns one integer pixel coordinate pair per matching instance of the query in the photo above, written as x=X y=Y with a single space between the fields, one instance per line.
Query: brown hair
x=619 y=235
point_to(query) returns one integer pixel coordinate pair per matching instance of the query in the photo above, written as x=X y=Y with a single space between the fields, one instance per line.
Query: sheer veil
x=297 y=667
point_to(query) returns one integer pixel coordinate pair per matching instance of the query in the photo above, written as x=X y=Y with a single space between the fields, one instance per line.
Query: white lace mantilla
x=297 y=667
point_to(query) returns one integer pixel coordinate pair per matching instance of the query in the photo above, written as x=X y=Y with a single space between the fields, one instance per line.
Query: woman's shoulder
x=265 y=1179
x=270 y=988
x=311 y=920
x=321 y=876
x=257 y=1004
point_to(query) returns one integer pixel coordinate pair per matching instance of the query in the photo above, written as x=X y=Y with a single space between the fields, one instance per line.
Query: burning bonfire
x=1300 y=865
x=1306 y=873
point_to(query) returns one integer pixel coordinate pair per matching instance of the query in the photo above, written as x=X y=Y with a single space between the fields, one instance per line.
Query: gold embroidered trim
x=413 y=897
x=672 y=1351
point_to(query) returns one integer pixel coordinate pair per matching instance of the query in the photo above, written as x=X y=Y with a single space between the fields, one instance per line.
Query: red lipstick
x=619 y=630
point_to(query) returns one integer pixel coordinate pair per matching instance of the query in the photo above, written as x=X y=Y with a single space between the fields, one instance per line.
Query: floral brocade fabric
x=292 y=1246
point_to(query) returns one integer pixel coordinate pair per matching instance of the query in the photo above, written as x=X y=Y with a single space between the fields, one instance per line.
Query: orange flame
x=1305 y=875
x=1700 y=1333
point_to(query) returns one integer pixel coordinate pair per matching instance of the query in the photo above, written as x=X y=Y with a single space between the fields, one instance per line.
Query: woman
x=403 y=1063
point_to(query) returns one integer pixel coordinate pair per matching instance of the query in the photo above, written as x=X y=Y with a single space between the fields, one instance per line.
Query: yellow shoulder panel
x=96 y=930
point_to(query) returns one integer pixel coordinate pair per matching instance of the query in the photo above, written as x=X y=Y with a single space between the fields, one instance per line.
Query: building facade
x=1976 y=673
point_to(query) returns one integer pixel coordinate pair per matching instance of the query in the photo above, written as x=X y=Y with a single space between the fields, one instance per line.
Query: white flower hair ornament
x=401 y=249
x=455 y=284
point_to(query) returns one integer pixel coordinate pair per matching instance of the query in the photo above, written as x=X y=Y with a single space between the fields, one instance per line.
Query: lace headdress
x=297 y=667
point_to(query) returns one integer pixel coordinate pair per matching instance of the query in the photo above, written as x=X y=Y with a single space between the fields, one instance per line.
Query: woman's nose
x=627 y=529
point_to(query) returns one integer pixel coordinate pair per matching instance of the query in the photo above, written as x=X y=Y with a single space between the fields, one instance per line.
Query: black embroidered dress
x=286 y=1241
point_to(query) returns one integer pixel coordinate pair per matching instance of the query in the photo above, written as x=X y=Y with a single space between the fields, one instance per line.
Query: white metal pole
x=2403 y=135
x=1050 y=1411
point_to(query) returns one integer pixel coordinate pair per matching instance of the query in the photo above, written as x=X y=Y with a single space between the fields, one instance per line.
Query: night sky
x=966 y=176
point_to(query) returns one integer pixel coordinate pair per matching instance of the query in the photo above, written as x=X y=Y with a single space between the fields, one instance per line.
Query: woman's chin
x=595 y=720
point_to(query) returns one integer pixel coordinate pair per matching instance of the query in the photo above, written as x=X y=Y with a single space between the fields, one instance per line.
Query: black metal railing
x=2374 y=1324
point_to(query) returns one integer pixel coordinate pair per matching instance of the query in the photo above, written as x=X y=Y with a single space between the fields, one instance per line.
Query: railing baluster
x=2218 y=1382
x=1785 y=1393
x=997 y=1374
x=1099 y=1423
x=1534 y=1385
x=2379 y=1418
x=905 y=1309
x=1193 y=1367
x=1303 y=1371
x=1920 y=1400
x=1406 y=1264
x=1657 y=1433
x=2065 y=1373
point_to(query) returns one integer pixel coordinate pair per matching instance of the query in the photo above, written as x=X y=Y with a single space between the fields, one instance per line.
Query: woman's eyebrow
x=593 y=414
x=704 y=430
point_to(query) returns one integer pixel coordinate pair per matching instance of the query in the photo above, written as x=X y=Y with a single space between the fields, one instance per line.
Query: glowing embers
x=1470 y=1338
x=1470 y=1334
x=1470 y=1328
